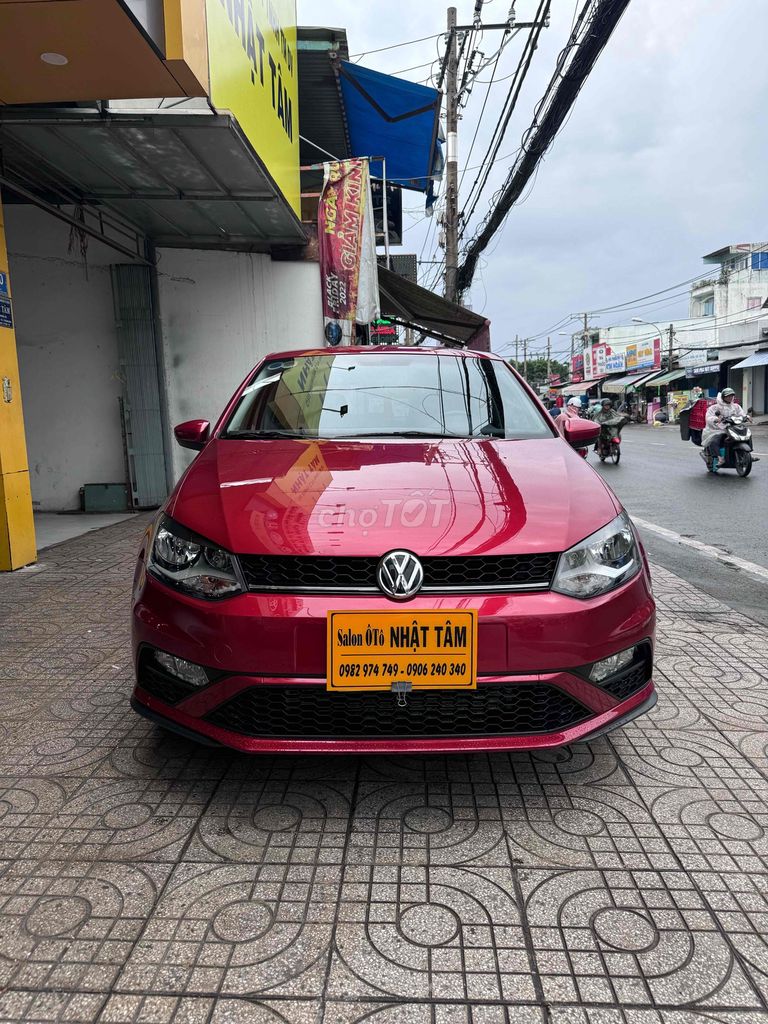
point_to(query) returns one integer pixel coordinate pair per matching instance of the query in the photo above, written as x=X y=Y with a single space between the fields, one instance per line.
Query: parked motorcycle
x=735 y=448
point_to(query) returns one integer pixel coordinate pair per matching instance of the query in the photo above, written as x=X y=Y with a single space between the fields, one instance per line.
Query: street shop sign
x=348 y=268
x=699 y=371
x=6 y=313
x=3 y=282
x=644 y=355
x=254 y=74
x=382 y=329
x=614 y=362
x=577 y=368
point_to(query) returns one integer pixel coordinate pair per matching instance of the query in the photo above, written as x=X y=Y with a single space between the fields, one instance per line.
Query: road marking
x=705 y=549
x=659 y=444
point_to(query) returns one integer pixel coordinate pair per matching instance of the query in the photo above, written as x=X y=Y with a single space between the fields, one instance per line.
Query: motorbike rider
x=718 y=414
x=573 y=408
x=609 y=420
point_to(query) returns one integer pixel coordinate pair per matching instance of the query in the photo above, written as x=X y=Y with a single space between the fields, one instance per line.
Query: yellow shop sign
x=254 y=69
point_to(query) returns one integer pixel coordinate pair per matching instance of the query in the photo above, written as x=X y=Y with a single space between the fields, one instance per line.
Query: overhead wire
x=510 y=103
x=396 y=46
x=587 y=42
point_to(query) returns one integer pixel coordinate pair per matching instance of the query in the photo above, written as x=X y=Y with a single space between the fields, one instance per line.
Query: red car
x=391 y=549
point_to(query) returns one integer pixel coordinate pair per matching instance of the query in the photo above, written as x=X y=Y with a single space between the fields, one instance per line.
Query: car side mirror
x=192 y=434
x=580 y=433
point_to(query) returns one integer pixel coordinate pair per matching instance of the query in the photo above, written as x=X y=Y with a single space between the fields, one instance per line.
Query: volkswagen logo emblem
x=400 y=575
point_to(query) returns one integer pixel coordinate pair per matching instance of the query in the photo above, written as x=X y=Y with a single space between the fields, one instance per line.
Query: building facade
x=723 y=341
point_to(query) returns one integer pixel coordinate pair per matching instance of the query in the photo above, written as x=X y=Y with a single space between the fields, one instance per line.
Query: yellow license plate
x=426 y=649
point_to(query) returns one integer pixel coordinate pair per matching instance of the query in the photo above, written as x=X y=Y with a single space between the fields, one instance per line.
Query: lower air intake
x=301 y=712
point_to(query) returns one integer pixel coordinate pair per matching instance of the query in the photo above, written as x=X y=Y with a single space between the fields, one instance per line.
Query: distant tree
x=537 y=370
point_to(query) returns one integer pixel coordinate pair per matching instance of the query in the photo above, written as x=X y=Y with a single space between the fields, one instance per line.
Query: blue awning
x=757 y=359
x=394 y=119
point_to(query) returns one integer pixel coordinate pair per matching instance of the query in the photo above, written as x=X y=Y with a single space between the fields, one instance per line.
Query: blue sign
x=6 y=313
x=3 y=283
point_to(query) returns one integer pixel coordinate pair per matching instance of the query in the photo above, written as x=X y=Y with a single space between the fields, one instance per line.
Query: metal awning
x=579 y=388
x=183 y=178
x=666 y=378
x=411 y=305
x=631 y=380
x=757 y=359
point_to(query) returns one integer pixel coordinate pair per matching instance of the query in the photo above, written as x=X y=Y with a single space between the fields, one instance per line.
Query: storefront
x=754 y=382
x=586 y=390
x=706 y=377
x=669 y=393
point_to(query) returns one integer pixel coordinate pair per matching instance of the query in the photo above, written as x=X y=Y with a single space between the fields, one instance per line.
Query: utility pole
x=517 y=353
x=525 y=358
x=452 y=164
x=549 y=359
x=671 y=341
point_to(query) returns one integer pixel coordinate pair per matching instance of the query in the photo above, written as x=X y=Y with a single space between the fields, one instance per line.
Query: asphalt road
x=700 y=526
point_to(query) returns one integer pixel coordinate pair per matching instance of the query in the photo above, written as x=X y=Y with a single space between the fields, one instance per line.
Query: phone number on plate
x=384 y=669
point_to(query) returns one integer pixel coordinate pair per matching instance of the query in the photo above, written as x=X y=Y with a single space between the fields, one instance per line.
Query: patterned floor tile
x=271 y=821
x=586 y=826
x=70 y=925
x=148 y=879
x=235 y=930
x=444 y=933
x=633 y=938
x=51 y=1007
x=432 y=1013
x=435 y=823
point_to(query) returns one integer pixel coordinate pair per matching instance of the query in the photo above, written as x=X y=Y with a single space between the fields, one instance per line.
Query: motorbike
x=735 y=448
x=609 y=442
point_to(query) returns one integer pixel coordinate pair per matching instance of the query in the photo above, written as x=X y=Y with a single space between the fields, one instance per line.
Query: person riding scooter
x=718 y=414
x=572 y=410
x=611 y=423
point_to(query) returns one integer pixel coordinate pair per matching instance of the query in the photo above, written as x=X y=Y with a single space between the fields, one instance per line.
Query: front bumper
x=266 y=660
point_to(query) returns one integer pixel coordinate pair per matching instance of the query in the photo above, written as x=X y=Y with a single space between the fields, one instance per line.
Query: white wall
x=68 y=358
x=221 y=312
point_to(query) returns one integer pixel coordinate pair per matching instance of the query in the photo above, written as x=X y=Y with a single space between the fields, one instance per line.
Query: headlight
x=601 y=562
x=189 y=562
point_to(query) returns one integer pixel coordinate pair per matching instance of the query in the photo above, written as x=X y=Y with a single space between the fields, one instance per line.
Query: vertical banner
x=349 y=278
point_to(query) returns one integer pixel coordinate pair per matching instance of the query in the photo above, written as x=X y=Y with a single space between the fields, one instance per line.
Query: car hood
x=360 y=498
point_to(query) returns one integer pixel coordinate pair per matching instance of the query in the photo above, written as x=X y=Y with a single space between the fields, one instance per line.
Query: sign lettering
x=253 y=68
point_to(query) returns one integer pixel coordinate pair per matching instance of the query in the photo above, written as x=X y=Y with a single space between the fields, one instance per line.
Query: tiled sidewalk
x=145 y=879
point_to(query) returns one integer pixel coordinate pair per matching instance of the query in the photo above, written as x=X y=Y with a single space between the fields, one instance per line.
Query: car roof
x=459 y=353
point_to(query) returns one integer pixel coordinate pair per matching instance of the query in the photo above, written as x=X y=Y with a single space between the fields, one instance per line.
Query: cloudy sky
x=662 y=160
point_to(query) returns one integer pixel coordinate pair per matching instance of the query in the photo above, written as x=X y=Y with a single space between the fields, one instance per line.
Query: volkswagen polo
x=391 y=549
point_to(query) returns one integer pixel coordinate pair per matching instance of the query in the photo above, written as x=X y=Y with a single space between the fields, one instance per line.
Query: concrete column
x=17 y=529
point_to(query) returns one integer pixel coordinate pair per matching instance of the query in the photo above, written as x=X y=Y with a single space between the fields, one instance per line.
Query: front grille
x=632 y=681
x=336 y=574
x=301 y=712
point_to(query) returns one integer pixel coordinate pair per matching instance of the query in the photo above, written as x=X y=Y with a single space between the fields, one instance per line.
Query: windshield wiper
x=433 y=435
x=260 y=435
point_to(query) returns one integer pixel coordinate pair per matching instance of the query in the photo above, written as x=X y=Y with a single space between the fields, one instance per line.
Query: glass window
x=386 y=395
x=708 y=306
x=754 y=302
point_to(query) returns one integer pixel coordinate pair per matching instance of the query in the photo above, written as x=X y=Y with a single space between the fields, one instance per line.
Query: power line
x=396 y=46
x=507 y=110
x=570 y=74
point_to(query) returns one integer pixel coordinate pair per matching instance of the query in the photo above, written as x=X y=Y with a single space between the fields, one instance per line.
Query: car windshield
x=385 y=395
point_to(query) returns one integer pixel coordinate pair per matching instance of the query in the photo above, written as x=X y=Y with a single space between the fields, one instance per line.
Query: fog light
x=186 y=670
x=610 y=666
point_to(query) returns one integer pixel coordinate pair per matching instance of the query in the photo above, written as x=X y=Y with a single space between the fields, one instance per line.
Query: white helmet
x=574 y=401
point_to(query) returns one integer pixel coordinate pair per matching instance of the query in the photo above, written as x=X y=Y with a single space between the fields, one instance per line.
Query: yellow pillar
x=17 y=528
